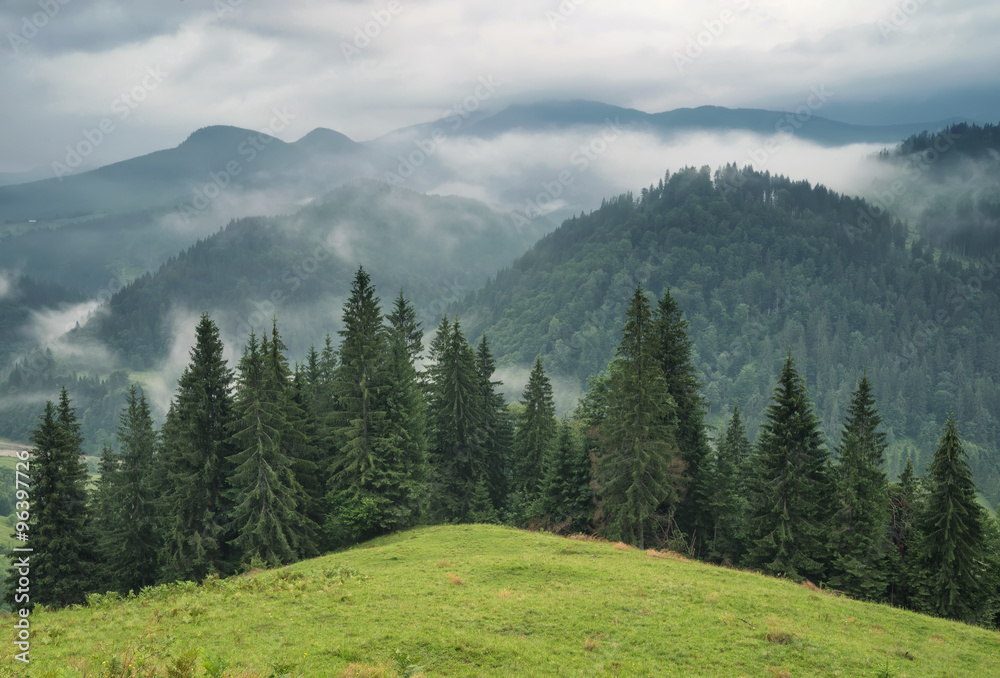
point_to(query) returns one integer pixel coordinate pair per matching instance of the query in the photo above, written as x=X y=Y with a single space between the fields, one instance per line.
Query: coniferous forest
x=265 y=462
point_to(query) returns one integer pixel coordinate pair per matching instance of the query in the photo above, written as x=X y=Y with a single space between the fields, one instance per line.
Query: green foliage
x=535 y=434
x=60 y=526
x=637 y=435
x=566 y=494
x=950 y=551
x=195 y=463
x=860 y=520
x=728 y=501
x=789 y=512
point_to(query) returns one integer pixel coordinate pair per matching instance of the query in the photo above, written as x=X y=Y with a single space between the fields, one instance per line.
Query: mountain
x=947 y=183
x=762 y=265
x=549 y=116
x=484 y=600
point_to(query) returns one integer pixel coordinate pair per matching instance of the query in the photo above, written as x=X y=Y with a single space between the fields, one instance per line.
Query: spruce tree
x=789 y=516
x=566 y=493
x=536 y=433
x=362 y=477
x=132 y=542
x=455 y=420
x=949 y=562
x=858 y=541
x=727 y=541
x=404 y=463
x=267 y=517
x=197 y=444
x=496 y=429
x=673 y=349
x=905 y=498
x=638 y=435
x=106 y=515
x=60 y=530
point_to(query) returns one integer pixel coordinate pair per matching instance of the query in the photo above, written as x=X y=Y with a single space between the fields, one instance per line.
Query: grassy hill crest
x=483 y=600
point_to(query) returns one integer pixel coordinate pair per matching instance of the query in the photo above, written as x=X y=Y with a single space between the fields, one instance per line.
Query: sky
x=134 y=76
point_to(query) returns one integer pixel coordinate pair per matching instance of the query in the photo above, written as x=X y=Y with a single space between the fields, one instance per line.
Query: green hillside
x=762 y=265
x=476 y=600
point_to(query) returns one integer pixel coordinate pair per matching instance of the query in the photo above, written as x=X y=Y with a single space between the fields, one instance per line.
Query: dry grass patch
x=779 y=636
x=778 y=672
x=622 y=546
x=591 y=644
x=455 y=579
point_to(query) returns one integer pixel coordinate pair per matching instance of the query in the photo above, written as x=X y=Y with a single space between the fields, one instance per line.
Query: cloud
x=413 y=65
x=7 y=284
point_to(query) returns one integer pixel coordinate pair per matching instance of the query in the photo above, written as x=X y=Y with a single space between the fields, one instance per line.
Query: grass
x=478 y=600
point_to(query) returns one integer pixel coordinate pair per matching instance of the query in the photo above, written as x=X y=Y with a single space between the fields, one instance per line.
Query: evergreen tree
x=455 y=418
x=197 y=445
x=729 y=496
x=267 y=517
x=536 y=433
x=132 y=543
x=904 y=502
x=496 y=429
x=59 y=528
x=566 y=494
x=104 y=511
x=404 y=464
x=694 y=514
x=637 y=435
x=949 y=562
x=358 y=507
x=858 y=536
x=790 y=515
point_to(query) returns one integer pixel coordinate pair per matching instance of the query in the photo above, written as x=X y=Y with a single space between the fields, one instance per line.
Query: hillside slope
x=762 y=265
x=477 y=600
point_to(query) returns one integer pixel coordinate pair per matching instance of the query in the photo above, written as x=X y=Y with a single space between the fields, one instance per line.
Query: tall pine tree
x=59 y=529
x=197 y=445
x=132 y=544
x=727 y=541
x=455 y=418
x=858 y=537
x=950 y=558
x=536 y=433
x=789 y=516
x=673 y=349
x=637 y=434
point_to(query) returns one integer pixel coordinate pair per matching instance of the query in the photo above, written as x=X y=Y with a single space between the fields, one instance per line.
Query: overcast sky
x=367 y=67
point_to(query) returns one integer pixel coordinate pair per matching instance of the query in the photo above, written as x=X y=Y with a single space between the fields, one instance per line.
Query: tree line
x=271 y=463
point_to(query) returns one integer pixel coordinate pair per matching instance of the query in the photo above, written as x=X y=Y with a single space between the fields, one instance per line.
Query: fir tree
x=196 y=449
x=536 y=433
x=904 y=502
x=404 y=465
x=496 y=429
x=673 y=349
x=858 y=536
x=267 y=516
x=455 y=418
x=949 y=563
x=132 y=542
x=729 y=496
x=637 y=435
x=566 y=494
x=59 y=529
x=790 y=515
x=356 y=478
